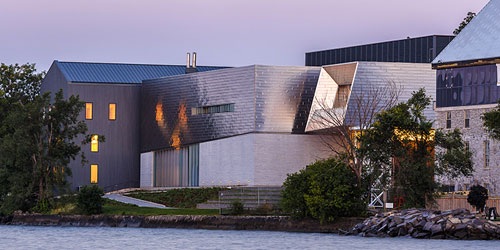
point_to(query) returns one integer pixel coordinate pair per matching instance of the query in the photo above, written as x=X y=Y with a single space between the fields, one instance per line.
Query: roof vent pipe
x=188 y=60
x=194 y=60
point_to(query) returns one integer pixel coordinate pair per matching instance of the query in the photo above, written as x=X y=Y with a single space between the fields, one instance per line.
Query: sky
x=222 y=32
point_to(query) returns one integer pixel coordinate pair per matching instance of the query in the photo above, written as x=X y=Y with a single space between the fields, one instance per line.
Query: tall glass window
x=93 y=173
x=112 y=111
x=94 y=143
x=88 y=111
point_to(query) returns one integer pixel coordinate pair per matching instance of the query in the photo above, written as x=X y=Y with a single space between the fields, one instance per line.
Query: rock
x=428 y=226
x=436 y=229
x=461 y=234
x=455 y=220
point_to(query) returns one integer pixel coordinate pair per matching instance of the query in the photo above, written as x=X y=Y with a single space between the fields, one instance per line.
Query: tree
x=324 y=190
x=340 y=125
x=89 y=199
x=491 y=122
x=467 y=19
x=400 y=147
x=37 y=139
x=477 y=197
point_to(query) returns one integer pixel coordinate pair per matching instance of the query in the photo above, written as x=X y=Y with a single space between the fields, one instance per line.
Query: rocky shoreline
x=459 y=224
x=267 y=223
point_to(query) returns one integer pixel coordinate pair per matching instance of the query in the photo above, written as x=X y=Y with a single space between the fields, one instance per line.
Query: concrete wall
x=475 y=135
x=228 y=161
x=277 y=155
x=258 y=158
x=147 y=165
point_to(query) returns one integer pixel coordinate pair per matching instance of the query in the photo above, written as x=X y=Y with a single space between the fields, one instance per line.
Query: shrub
x=237 y=208
x=477 y=197
x=90 y=200
x=324 y=190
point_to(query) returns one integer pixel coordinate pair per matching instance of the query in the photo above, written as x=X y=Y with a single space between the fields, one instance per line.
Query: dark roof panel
x=121 y=73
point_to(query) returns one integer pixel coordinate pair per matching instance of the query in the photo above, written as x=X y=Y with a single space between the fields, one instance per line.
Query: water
x=25 y=237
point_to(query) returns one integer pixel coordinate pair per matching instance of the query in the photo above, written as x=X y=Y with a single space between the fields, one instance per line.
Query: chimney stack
x=191 y=68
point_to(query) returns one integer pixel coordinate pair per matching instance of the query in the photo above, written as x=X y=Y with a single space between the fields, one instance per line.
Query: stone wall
x=476 y=136
x=268 y=223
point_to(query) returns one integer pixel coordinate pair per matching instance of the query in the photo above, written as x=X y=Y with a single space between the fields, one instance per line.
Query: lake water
x=25 y=237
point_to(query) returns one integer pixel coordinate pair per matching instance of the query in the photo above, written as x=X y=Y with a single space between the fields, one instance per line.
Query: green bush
x=325 y=190
x=90 y=200
x=236 y=208
x=477 y=197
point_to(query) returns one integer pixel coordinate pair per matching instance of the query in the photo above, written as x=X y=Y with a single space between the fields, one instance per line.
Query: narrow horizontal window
x=94 y=143
x=213 y=109
x=112 y=111
x=93 y=173
x=88 y=111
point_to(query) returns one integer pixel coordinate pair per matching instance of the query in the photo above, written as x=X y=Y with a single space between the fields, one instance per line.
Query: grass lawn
x=118 y=208
x=181 y=198
x=67 y=206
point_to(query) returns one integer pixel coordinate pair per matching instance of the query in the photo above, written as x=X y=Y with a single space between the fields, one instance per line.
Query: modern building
x=168 y=125
x=411 y=50
x=467 y=85
x=112 y=93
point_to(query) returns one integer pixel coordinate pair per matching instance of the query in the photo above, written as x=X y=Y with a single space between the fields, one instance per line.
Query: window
x=94 y=143
x=213 y=109
x=486 y=154
x=112 y=111
x=448 y=119
x=93 y=173
x=466 y=118
x=467 y=145
x=88 y=111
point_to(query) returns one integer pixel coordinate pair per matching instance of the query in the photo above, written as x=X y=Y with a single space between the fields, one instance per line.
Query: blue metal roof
x=120 y=73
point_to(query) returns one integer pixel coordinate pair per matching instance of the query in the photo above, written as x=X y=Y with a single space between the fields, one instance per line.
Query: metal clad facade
x=265 y=98
x=283 y=97
x=167 y=120
x=408 y=76
x=415 y=50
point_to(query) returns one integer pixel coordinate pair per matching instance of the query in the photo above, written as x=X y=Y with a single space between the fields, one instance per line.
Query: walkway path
x=130 y=200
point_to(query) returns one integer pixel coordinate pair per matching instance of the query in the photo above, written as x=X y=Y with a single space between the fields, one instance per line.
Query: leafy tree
x=477 y=197
x=491 y=120
x=467 y=19
x=399 y=148
x=37 y=139
x=323 y=190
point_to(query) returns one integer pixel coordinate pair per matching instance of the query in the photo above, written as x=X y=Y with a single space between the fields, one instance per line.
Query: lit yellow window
x=112 y=111
x=88 y=111
x=94 y=143
x=93 y=173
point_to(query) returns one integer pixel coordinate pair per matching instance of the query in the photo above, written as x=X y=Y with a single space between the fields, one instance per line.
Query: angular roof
x=120 y=72
x=480 y=39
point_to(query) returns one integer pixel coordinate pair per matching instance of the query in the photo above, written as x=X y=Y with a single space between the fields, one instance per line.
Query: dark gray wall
x=414 y=50
x=118 y=157
x=266 y=99
x=54 y=81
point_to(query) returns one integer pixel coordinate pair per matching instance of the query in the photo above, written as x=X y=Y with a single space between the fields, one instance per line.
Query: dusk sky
x=222 y=32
